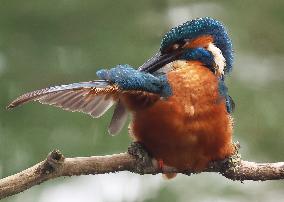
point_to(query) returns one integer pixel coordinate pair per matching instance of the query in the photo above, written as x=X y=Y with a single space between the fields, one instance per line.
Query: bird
x=179 y=104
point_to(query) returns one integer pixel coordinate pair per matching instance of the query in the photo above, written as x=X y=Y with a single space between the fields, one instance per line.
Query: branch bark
x=136 y=160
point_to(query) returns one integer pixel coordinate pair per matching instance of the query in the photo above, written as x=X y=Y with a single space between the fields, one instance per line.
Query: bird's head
x=203 y=39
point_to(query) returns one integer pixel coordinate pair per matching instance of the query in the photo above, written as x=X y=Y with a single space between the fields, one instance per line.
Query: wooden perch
x=136 y=160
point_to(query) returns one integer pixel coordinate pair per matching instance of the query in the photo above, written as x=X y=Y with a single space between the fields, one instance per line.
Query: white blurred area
x=119 y=187
x=127 y=187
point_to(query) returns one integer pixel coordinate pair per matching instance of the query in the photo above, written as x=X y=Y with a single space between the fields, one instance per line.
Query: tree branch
x=136 y=160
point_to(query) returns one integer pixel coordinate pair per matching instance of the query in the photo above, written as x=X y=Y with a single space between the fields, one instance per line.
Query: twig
x=136 y=160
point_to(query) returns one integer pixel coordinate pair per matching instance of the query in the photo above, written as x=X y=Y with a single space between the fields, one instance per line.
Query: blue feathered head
x=202 y=39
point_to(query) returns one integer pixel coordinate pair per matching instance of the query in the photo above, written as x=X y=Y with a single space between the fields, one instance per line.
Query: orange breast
x=190 y=128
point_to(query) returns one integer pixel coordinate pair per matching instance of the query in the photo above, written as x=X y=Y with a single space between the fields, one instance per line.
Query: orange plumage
x=190 y=128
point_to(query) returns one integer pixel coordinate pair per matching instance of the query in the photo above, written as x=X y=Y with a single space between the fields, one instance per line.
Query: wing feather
x=101 y=107
x=93 y=98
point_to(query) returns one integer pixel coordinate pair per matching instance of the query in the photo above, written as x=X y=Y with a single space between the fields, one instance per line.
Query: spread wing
x=96 y=97
x=93 y=97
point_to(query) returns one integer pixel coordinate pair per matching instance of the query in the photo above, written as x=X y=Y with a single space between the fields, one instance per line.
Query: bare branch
x=136 y=160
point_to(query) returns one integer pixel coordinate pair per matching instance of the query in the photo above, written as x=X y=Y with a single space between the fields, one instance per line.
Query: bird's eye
x=176 y=46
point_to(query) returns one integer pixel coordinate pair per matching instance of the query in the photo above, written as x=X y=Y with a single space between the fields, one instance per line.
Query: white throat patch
x=219 y=59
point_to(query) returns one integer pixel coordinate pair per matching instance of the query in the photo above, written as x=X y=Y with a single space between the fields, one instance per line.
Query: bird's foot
x=160 y=164
x=168 y=171
x=147 y=164
x=144 y=160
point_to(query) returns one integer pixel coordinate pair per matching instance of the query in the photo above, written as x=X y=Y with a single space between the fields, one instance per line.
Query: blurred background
x=43 y=43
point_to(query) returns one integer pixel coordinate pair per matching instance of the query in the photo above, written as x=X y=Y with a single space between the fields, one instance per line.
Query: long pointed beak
x=158 y=61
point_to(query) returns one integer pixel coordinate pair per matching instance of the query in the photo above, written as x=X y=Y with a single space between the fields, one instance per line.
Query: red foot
x=160 y=164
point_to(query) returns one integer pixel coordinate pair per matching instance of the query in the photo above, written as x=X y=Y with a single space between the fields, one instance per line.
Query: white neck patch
x=219 y=59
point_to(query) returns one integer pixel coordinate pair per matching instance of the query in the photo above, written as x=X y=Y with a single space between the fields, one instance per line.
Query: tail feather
x=118 y=120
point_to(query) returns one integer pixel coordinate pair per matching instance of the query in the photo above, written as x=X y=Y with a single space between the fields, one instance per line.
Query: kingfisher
x=178 y=100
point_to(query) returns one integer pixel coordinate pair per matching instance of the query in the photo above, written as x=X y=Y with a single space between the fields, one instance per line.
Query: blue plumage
x=223 y=91
x=200 y=27
x=200 y=54
x=129 y=78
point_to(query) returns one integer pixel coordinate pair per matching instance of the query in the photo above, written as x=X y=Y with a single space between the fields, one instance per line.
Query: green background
x=49 y=42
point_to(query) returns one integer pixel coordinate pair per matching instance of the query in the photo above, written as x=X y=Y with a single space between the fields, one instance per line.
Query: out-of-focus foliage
x=51 y=42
